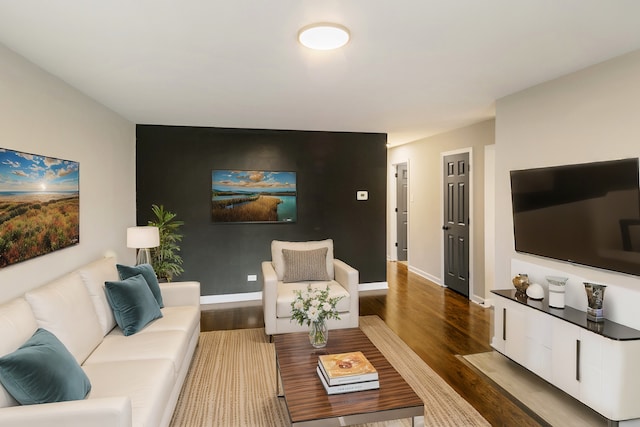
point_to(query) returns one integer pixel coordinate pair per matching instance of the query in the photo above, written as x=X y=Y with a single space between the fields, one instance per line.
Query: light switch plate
x=252 y=278
x=362 y=195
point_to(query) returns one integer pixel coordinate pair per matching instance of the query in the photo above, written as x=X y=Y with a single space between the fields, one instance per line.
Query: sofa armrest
x=102 y=412
x=349 y=278
x=269 y=296
x=180 y=293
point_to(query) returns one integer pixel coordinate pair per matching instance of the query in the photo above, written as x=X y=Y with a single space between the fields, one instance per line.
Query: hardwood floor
x=437 y=323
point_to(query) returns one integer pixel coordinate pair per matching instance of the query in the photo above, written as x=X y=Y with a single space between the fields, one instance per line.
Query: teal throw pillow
x=149 y=275
x=42 y=370
x=132 y=303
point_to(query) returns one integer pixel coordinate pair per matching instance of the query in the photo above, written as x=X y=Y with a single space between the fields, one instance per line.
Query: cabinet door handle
x=504 y=324
x=577 y=360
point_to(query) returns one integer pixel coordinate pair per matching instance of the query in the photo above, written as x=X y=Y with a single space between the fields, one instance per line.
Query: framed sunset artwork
x=39 y=205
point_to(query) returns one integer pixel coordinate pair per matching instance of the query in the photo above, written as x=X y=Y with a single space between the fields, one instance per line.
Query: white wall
x=41 y=114
x=589 y=115
x=425 y=236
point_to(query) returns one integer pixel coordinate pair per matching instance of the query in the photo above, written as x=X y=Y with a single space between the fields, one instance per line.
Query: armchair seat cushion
x=286 y=295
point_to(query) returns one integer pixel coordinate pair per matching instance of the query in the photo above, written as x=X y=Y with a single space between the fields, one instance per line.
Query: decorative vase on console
x=556 y=291
x=595 y=301
x=521 y=283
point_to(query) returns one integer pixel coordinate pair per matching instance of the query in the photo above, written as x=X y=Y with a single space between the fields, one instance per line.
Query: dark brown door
x=456 y=222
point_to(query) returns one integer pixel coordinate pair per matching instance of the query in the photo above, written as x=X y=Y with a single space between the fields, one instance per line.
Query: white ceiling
x=413 y=68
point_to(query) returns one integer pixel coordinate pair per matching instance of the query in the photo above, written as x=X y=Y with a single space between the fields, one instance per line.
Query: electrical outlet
x=252 y=278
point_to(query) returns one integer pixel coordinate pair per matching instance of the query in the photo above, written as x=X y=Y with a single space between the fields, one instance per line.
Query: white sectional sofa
x=135 y=380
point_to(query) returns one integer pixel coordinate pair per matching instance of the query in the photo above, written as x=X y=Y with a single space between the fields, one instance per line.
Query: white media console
x=596 y=363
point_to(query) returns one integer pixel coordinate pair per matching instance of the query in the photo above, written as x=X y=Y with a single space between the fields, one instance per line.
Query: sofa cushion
x=305 y=265
x=133 y=303
x=277 y=258
x=64 y=308
x=17 y=325
x=182 y=318
x=94 y=275
x=148 y=383
x=169 y=345
x=43 y=371
x=286 y=295
x=149 y=275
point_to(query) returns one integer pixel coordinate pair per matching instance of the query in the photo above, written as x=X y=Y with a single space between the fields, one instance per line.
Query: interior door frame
x=471 y=169
x=397 y=212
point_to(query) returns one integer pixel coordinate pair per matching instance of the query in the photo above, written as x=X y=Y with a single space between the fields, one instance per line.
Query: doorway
x=402 y=212
x=456 y=194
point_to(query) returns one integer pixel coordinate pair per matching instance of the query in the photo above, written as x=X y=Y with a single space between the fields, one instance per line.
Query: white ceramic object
x=535 y=291
x=556 y=291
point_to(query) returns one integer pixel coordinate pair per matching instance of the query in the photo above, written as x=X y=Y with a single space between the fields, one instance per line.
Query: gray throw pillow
x=305 y=265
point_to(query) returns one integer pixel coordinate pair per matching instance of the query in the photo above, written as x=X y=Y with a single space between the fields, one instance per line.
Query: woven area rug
x=232 y=382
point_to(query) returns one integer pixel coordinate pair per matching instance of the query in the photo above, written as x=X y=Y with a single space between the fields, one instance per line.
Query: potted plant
x=165 y=260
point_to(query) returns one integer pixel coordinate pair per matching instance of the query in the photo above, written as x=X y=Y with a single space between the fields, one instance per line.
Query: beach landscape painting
x=253 y=196
x=39 y=205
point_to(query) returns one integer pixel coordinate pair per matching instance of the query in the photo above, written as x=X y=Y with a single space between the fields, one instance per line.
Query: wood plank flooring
x=437 y=323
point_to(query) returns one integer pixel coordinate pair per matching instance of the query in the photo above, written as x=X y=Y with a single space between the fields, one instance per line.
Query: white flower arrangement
x=314 y=305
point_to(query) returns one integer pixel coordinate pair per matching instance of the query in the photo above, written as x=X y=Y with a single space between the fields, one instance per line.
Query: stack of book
x=347 y=372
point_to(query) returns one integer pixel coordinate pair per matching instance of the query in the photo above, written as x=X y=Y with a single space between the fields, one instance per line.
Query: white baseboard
x=473 y=298
x=374 y=286
x=257 y=296
x=480 y=301
x=427 y=276
x=230 y=298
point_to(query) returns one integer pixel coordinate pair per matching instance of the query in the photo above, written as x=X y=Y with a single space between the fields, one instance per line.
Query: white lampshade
x=324 y=36
x=143 y=237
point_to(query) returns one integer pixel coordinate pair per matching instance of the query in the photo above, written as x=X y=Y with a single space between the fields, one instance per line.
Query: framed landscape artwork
x=39 y=205
x=253 y=196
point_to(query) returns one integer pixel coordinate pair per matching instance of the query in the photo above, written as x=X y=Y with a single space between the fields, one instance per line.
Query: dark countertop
x=607 y=328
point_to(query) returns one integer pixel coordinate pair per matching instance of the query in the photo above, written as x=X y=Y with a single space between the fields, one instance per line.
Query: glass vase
x=318 y=334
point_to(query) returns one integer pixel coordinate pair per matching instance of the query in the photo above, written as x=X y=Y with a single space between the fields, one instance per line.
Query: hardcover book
x=346 y=388
x=347 y=368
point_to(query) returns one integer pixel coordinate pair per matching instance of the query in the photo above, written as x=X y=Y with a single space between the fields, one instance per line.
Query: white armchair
x=295 y=265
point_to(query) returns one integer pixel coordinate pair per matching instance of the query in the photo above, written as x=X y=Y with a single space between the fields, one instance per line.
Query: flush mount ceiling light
x=323 y=36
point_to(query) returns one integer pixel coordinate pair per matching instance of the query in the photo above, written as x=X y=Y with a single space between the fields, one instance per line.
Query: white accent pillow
x=64 y=308
x=94 y=276
x=277 y=258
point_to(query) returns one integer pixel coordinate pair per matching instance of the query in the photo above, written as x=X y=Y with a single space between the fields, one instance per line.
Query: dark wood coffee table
x=309 y=404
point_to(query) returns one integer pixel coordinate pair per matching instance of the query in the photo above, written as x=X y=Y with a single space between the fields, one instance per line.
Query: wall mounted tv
x=586 y=214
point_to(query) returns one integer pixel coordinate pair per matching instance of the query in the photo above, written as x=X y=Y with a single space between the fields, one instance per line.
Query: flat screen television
x=585 y=214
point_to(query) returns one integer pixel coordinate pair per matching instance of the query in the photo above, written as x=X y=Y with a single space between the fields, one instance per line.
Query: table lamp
x=142 y=238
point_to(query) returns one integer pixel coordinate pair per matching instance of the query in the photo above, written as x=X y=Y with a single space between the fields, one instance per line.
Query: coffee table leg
x=417 y=421
x=278 y=379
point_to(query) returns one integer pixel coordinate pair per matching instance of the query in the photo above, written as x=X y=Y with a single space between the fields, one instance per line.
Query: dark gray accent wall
x=174 y=165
